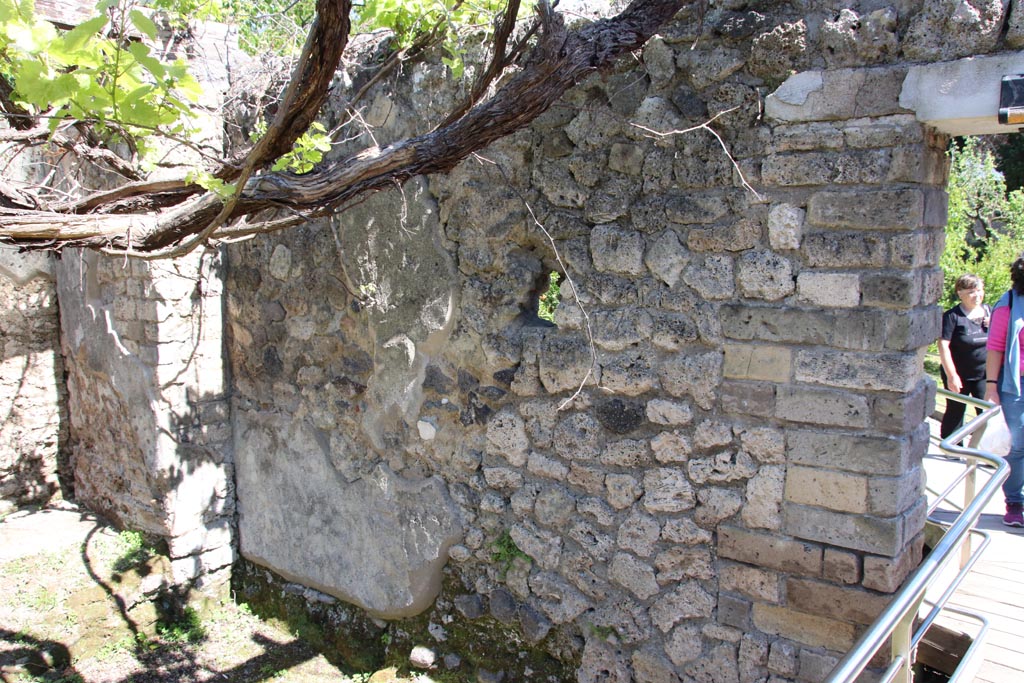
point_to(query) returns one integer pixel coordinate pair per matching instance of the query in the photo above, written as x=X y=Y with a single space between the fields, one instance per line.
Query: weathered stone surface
x=822 y=407
x=666 y=257
x=630 y=373
x=684 y=645
x=737 y=236
x=840 y=491
x=623 y=490
x=684 y=531
x=886 y=574
x=665 y=412
x=543 y=546
x=1015 y=31
x=713 y=278
x=694 y=375
x=829 y=95
x=667 y=490
x=763 y=509
x=765 y=275
x=722 y=467
x=671 y=447
x=947 y=29
x=675 y=564
x=775 y=324
x=854 y=38
x=601 y=663
x=579 y=437
x=878 y=210
x=865 y=454
x=652 y=667
x=785 y=226
x=617 y=250
x=765 y=444
x=833 y=168
x=847 y=604
x=633 y=575
x=758 y=584
x=502 y=478
x=857 y=532
x=506 y=436
x=718 y=666
x=626 y=453
x=554 y=506
x=841 y=290
x=840 y=566
x=717 y=504
x=782 y=658
x=809 y=629
x=619 y=416
x=620 y=328
x=672 y=331
x=774 y=53
x=565 y=362
x=638 y=534
x=774 y=552
x=688 y=601
x=757 y=362
x=756 y=399
x=597 y=544
x=550 y=468
x=560 y=601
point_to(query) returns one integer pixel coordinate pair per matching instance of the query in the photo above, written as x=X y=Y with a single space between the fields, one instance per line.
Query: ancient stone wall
x=708 y=471
x=150 y=437
x=33 y=428
x=706 y=468
x=149 y=418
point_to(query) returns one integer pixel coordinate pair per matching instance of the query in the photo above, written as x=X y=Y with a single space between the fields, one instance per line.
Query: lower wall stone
x=463 y=638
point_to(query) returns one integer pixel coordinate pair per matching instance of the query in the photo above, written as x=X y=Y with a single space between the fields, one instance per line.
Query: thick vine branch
x=560 y=59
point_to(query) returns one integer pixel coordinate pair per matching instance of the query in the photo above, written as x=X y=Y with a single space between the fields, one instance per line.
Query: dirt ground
x=81 y=603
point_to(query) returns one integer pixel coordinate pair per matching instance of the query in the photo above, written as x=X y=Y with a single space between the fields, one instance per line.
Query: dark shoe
x=1014 y=514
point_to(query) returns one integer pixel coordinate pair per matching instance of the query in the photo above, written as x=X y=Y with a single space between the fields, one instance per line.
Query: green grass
x=188 y=628
x=131 y=549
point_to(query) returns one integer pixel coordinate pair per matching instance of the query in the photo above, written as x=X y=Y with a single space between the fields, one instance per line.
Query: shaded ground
x=82 y=603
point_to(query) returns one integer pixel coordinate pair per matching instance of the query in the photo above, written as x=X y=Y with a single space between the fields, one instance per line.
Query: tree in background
x=985 y=228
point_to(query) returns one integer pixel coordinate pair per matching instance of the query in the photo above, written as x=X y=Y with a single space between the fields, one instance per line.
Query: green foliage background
x=978 y=194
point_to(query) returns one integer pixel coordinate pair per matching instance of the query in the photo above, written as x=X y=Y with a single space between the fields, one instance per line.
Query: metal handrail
x=897 y=619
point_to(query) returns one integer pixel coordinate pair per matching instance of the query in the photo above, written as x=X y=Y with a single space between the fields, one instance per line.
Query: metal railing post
x=901 y=644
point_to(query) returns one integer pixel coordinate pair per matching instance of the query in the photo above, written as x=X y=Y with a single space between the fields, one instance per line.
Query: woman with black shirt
x=962 y=348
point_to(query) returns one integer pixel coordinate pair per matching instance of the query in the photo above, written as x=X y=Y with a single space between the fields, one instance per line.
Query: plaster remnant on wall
x=378 y=542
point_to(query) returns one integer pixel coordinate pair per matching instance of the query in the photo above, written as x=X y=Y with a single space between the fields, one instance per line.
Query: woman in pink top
x=1003 y=384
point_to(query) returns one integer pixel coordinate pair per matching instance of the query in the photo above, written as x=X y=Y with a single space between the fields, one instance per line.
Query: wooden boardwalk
x=994 y=588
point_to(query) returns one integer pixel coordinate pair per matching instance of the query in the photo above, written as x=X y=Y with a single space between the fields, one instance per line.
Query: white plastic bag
x=996 y=437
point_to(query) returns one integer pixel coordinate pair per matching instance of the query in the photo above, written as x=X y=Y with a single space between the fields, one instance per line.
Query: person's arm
x=993 y=363
x=953 y=382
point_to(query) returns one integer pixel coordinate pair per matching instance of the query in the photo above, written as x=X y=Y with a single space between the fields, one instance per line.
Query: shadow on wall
x=34 y=463
x=147 y=398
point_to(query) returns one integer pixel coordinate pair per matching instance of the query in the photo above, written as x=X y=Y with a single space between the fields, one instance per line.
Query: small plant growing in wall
x=505 y=551
x=548 y=301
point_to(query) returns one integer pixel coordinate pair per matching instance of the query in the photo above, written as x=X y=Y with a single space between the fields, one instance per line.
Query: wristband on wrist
x=991 y=381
